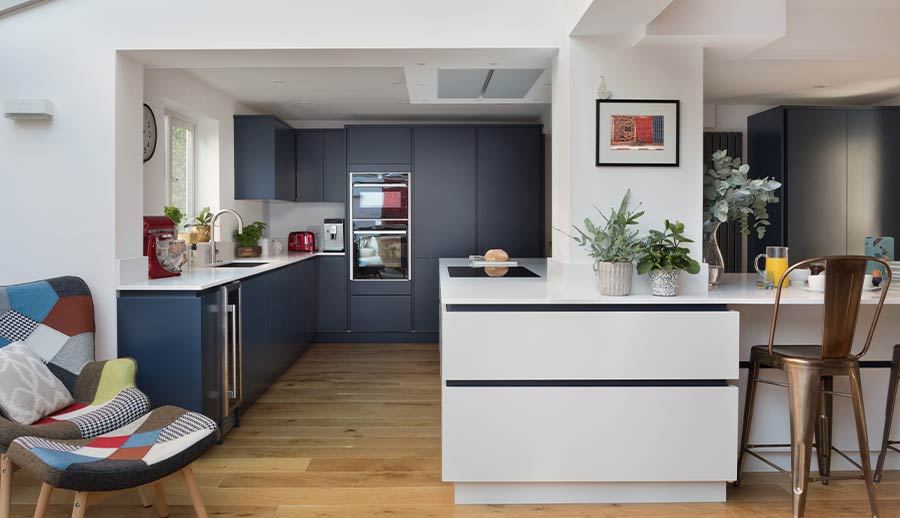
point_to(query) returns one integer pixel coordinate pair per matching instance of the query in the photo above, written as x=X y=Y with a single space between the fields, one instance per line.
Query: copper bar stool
x=886 y=442
x=810 y=370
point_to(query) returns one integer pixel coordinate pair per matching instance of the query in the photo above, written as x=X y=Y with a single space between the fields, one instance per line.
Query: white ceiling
x=852 y=48
x=389 y=84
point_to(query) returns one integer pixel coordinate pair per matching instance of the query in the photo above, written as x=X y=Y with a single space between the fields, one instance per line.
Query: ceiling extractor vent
x=486 y=83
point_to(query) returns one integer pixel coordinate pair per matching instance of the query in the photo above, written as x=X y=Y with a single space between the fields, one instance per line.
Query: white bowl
x=799 y=276
x=816 y=282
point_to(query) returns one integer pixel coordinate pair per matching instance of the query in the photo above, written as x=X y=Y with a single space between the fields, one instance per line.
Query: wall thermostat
x=28 y=109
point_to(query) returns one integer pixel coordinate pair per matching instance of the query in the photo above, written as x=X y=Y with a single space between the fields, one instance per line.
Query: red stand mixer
x=165 y=253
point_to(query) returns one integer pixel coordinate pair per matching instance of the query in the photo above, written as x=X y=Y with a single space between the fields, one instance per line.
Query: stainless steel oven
x=380 y=220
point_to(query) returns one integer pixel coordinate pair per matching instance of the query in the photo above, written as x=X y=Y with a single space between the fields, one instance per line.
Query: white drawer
x=589 y=345
x=589 y=434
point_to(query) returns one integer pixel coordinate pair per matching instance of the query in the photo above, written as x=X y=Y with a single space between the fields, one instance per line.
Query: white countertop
x=562 y=283
x=198 y=279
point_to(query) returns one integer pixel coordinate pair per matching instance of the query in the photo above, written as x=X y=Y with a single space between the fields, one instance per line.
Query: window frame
x=176 y=119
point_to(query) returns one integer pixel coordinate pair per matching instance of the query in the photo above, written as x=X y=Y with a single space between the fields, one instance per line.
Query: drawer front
x=589 y=434
x=589 y=345
x=380 y=314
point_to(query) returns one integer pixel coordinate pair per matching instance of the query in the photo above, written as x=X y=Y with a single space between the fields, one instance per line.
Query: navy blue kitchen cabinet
x=510 y=190
x=380 y=314
x=256 y=357
x=333 y=275
x=265 y=158
x=444 y=192
x=426 y=310
x=176 y=339
x=378 y=145
x=310 y=165
x=321 y=166
x=335 y=189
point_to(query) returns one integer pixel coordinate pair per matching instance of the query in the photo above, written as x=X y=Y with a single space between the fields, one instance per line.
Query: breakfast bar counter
x=553 y=393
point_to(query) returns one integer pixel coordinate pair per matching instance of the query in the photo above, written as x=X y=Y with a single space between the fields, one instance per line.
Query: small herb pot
x=614 y=278
x=248 y=251
x=664 y=283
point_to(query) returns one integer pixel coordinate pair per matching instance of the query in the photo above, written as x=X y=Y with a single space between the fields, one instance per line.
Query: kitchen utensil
x=164 y=256
x=816 y=282
x=302 y=242
x=798 y=277
x=333 y=232
x=776 y=264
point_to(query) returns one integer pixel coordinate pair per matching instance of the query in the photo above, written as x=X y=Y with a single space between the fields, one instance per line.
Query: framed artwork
x=637 y=132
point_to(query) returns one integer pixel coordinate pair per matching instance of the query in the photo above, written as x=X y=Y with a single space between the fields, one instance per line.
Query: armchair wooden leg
x=196 y=499
x=43 y=501
x=80 y=505
x=161 y=506
x=6 y=470
x=146 y=500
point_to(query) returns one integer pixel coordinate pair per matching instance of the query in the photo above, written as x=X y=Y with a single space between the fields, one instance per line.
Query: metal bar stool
x=886 y=442
x=810 y=370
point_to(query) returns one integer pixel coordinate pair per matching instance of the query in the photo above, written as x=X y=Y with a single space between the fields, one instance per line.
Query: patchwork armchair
x=55 y=318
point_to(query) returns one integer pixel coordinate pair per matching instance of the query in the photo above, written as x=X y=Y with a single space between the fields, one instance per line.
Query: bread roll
x=496 y=255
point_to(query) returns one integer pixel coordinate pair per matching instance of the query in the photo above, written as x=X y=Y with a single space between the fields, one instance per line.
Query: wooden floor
x=354 y=431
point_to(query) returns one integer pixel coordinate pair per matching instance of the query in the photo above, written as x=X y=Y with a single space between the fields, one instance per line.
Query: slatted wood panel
x=730 y=239
x=353 y=431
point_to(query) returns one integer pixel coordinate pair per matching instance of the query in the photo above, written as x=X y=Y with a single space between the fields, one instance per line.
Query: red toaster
x=302 y=242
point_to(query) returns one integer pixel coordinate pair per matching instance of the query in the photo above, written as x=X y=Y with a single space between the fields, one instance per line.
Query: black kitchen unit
x=321 y=166
x=837 y=165
x=216 y=351
x=265 y=164
x=413 y=194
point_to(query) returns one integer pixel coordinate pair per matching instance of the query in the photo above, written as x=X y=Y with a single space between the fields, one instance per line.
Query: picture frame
x=637 y=132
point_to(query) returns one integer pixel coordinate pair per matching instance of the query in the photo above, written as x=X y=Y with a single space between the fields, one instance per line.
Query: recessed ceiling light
x=423 y=100
x=302 y=102
x=494 y=63
x=423 y=84
x=421 y=63
x=820 y=86
x=278 y=81
x=396 y=82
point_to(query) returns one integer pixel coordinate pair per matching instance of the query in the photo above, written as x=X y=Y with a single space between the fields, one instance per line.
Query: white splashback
x=286 y=217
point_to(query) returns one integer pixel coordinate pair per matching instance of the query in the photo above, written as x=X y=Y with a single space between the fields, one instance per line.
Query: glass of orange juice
x=776 y=264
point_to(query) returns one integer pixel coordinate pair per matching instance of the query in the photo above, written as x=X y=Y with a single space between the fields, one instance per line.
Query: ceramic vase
x=614 y=278
x=664 y=283
x=712 y=256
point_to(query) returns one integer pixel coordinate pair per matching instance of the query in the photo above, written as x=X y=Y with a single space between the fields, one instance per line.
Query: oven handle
x=363 y=184
x=381 y=232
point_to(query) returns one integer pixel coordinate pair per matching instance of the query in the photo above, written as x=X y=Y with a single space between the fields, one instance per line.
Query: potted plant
x=663 y=257
x=174 y=213
x=200 y=226
x=613 y=245
x=730 y=195
x=248 y=241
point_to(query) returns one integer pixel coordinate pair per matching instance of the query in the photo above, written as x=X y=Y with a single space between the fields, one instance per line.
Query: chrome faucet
x=212 y=231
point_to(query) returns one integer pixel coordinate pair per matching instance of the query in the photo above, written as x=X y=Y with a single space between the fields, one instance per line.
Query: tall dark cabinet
x=264 y=158
x=836 y=165
x=321 y=166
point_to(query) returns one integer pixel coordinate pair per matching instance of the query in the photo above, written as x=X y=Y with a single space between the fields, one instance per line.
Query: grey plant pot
x=614 y=278
x=663 y=283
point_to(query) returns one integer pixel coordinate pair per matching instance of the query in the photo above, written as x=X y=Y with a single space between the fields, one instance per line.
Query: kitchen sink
x=240 y=265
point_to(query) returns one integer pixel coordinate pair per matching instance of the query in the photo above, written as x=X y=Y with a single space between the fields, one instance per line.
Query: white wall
x=59 y=178
x=213 y=111
x=285 y=218
x=665 y=192
x=733 y=117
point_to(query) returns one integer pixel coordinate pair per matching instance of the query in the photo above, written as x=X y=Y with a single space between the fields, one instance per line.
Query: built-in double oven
x=380 y=216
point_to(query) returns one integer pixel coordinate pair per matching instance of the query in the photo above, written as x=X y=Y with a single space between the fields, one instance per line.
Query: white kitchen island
x=553 y=393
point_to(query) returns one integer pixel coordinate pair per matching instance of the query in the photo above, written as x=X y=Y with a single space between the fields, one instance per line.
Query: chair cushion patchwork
x=28 y=390
x=55 y=317
x=152 y=447
x=82 y=420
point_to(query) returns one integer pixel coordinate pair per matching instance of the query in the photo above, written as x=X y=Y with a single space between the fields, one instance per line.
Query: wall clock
x=149 y=133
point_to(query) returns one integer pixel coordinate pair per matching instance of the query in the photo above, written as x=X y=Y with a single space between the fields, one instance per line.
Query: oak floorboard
x=353 y=431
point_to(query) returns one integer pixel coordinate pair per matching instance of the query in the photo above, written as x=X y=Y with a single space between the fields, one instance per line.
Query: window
x=181 y=164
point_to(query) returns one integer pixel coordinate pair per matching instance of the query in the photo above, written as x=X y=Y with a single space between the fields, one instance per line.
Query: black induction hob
x=466 y=271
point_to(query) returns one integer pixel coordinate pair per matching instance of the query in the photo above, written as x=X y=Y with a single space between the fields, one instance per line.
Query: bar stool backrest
x=844 y=279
